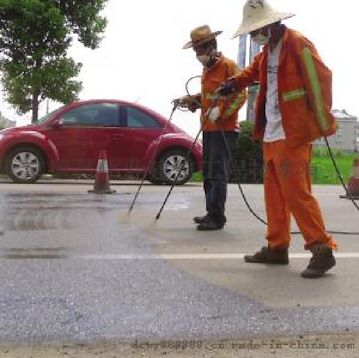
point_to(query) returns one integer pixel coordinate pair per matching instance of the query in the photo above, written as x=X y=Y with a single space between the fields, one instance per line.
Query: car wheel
x=24 y=165
x=169 y=165
x=153 y=180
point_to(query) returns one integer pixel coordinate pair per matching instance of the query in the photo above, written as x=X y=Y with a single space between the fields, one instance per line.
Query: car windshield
x=49 y=115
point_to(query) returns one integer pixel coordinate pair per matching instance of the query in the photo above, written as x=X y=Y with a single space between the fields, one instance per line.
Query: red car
x=68 y=141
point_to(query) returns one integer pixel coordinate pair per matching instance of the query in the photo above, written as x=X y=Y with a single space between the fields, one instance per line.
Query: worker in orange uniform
x=219 y=121
x=293 y=109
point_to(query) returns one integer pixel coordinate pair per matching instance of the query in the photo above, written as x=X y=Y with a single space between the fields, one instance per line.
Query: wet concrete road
x=77 y=267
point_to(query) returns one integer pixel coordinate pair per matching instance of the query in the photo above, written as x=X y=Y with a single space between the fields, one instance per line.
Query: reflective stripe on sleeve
x=235 y=105
x=295 y=94
x=316 y=88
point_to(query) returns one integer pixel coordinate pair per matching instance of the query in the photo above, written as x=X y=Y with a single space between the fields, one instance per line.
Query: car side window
x=139 y=119
x=93 y=115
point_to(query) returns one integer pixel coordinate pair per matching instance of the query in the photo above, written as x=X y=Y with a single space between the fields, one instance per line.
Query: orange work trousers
x=288 y=190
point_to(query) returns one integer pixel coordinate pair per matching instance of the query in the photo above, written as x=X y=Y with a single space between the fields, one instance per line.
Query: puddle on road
x=50 y=199
x=48 y=211
x=66 y=201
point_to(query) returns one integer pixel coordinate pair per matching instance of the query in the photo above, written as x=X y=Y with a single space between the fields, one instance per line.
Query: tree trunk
x=35 y=108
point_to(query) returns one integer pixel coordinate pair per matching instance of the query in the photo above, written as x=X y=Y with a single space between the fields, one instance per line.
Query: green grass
x=197 y=177
x=323 y=171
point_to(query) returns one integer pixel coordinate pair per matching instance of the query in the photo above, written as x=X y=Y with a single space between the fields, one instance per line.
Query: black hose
x=187 y=156
x=296 y=232
x=149 y=167
x=262 y=220
x=178 y=173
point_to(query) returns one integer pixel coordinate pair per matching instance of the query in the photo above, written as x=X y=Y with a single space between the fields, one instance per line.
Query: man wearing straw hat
x=293 y=109
x=219 y=121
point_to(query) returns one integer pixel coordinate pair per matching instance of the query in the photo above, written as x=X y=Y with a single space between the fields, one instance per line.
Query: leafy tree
x=35 y=36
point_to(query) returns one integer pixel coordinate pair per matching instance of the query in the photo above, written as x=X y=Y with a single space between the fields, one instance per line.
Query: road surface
x=80 y=275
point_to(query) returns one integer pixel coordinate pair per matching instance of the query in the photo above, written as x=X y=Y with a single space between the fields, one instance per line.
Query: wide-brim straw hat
x=257 y=14
x=201 y=35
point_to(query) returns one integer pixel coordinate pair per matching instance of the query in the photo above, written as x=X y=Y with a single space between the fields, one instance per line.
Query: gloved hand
x=227 y=87
x=176 y=101
x=213 y=114
x=188 y=102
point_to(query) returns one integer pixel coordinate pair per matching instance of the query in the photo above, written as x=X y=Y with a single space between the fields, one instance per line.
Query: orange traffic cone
x=102 y=178
x=353 y=185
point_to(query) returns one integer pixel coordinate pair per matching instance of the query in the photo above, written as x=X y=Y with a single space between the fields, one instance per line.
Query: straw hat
x=257 y=14
x=201 y=35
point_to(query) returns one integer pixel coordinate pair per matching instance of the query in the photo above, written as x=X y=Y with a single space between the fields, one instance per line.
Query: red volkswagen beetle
x=68 y=141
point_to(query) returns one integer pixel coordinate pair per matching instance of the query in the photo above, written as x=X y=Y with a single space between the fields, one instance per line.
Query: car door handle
x=119 y=135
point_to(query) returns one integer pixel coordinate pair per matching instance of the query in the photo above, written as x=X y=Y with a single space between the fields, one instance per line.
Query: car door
x=82 y=133
x=138 y=130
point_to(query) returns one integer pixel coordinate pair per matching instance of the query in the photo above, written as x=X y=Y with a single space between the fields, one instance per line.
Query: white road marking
x=123 y=257
x=346 y=255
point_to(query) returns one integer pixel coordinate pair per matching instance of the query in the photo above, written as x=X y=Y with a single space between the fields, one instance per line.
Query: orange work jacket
x=229 y=106
x=304 y=90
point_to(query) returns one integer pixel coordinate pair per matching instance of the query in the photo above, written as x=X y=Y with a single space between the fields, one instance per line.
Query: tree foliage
x=35 y=36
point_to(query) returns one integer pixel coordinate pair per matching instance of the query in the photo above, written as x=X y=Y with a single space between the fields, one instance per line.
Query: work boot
x=269 y=256
x=210 y=225
x=321 y=261
x=201 y=219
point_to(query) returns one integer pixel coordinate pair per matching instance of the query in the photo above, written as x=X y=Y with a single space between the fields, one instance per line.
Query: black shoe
x=268 y=256
x=321 y=261
x=209 y=226
x=201 y=219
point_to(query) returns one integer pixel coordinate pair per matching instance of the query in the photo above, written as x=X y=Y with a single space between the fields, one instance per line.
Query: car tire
x=169 y=164
x=153 y=180
x=25 y=165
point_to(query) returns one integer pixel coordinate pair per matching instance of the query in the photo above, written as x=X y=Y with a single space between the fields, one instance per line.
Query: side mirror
x=58 y=123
